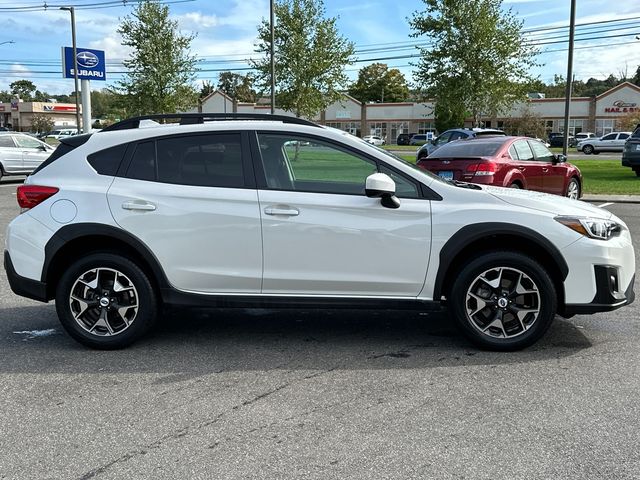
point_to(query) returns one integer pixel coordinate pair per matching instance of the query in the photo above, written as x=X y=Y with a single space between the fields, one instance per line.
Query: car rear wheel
x=637 y=172
x=587 y=149
x=503 y=300
x=515 y=185
x=106 y=301
x=573 y=189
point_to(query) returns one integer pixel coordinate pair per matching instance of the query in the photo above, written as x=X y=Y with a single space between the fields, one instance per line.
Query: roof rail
x=195 y=118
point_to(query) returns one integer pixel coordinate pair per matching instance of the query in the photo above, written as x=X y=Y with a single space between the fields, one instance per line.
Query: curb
x=611 y=198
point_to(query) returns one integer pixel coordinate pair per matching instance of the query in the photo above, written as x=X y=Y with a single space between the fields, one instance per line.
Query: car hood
x=545 y=202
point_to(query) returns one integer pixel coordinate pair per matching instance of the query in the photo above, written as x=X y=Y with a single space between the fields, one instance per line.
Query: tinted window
x=6 y=141
x=106 y=162
x=611 y=136
x=457 y=136
x=404 y=187
x=523 y=150
x=444 y=138
x=143 y=162
x=623 y=136
x=463 y=148
x=513 y=152
x=542 y=153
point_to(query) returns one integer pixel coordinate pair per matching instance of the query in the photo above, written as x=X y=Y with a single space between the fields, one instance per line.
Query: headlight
x=598 y=228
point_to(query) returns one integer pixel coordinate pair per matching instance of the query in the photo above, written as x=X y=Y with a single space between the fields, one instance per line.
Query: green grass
x=408 y=148
x=599 y=177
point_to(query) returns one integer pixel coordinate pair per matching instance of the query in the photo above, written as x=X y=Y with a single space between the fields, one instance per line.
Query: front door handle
x=545 y=170
x=139 y=205
x=282 y=210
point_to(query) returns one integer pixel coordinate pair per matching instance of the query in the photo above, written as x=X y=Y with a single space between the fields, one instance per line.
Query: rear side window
x=6 y=141
x=523 y=150
x=106 y=162
x=213 y=160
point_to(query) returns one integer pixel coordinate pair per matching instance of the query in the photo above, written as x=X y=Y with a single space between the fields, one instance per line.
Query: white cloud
x=195 y=21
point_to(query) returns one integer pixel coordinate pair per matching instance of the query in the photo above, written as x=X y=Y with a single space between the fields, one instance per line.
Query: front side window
x=442 y=139
x=611 y=136
x=542 y=153
x=302 y=164
x=27 y=142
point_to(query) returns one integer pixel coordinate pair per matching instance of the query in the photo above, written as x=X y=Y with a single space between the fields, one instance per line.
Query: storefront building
x=599 y=114
x=18 y=115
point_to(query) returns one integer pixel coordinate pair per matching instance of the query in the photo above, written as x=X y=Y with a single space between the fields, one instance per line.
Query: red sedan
x=516 y=162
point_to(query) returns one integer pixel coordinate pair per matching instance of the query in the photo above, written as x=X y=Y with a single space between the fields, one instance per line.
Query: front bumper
x=609 y=295
x=25 y=287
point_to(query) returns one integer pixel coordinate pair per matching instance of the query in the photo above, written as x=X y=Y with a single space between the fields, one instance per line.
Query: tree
x=629 y=121
x=206 y=89
x=528 y=123
x=41 y=123
x=477 y=46
x=23 y=88
x=161 y=69
x=237 y=86
x=310 y=56
x=376 y=83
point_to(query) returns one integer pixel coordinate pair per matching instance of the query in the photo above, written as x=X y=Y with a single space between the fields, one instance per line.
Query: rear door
x=192 y=200
x=621 y=140
x=528 y=166
x=607 y=143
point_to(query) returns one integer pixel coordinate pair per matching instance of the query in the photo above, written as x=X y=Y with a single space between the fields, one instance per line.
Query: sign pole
x=567 y=99
x=86 y=106
x=75 y=62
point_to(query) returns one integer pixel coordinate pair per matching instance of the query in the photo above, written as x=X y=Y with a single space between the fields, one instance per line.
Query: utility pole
x=75 y=62
x=273 y=62
x=567 y=100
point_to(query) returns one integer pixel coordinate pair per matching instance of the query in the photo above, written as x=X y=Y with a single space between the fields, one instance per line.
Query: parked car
x=557 y=140
x=631 y=152
x=374 y=140
x=20 y=154
x=404 y=138
x=419 y=139
x=258 y=218
x=454 y=134
x=584 y=136
x=516 y=162
x=612 y=142
x=58 y=134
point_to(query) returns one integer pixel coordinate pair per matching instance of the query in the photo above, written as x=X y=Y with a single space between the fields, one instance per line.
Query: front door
x=553 y=175
x=189 y=198
x=323 y=236
x=33 y=152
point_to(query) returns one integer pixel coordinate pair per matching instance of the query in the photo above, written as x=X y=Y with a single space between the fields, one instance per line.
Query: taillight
x=31 y=195
x=484 y=168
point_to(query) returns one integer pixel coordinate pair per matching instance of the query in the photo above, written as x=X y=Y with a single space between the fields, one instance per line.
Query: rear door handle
x=522 y=169
x=286 y=211
x=139 y=205
x=545 y=170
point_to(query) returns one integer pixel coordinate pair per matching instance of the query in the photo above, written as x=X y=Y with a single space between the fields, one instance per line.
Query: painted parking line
x=606 y=204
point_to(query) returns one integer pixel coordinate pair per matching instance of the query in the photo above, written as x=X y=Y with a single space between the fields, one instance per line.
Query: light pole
x=273 y=64
x=75 y=62
x=567 y=99
x=8 y=41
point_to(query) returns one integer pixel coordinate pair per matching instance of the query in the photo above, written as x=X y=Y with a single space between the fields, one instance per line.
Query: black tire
x=573 y=182
x=588 y=149
x=637 y=172
x=516 y=333
x=515 y=185
x=133 y=287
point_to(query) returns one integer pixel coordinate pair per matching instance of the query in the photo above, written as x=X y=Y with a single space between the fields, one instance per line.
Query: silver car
x=612 y=142
x=21 y=154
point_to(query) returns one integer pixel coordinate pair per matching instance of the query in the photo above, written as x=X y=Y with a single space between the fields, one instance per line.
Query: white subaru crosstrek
x=246 y=210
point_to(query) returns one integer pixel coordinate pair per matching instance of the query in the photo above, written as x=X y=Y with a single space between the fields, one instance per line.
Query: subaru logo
x=446 y=161
x=87 y=59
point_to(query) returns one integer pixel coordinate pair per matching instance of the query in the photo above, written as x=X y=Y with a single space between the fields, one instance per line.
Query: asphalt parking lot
x=261 y=394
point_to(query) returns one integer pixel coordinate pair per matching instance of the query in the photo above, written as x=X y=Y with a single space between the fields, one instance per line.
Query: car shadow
x=188 y=343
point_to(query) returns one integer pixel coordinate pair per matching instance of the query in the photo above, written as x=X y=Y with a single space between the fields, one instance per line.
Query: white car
x=21 y=154
x=374 y=140
x=584 y=136
x=62 y=133
x=612 y=142
x=278 y=211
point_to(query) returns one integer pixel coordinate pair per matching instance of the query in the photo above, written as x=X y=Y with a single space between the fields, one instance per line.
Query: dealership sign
x=622 y=107
x=59 y=108
x=90 y=64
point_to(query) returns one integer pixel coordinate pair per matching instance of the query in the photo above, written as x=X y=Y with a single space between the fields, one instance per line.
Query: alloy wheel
x=104 y=301
x=573 y=190
x=502 y=302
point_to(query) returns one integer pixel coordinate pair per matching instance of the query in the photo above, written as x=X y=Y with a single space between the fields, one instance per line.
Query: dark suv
x=556 y=139
x=451 y=135
x=631 y=151
x=404 y=138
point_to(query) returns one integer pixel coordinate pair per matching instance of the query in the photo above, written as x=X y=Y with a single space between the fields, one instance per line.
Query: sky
x=226 y=34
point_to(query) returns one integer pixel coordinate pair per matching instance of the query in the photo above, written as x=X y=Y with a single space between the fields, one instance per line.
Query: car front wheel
x=503 y=300
x=573 y=189
x=587 y=149
x=106 y=301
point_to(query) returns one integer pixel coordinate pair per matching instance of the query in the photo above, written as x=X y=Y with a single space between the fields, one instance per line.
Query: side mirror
x=380 y=185
x=560 y=158
x=42 y=147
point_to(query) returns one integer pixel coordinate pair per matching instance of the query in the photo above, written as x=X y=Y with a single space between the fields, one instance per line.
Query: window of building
x=396 y=129
x=426 y=127
x=605 y=126
x=379 y=129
